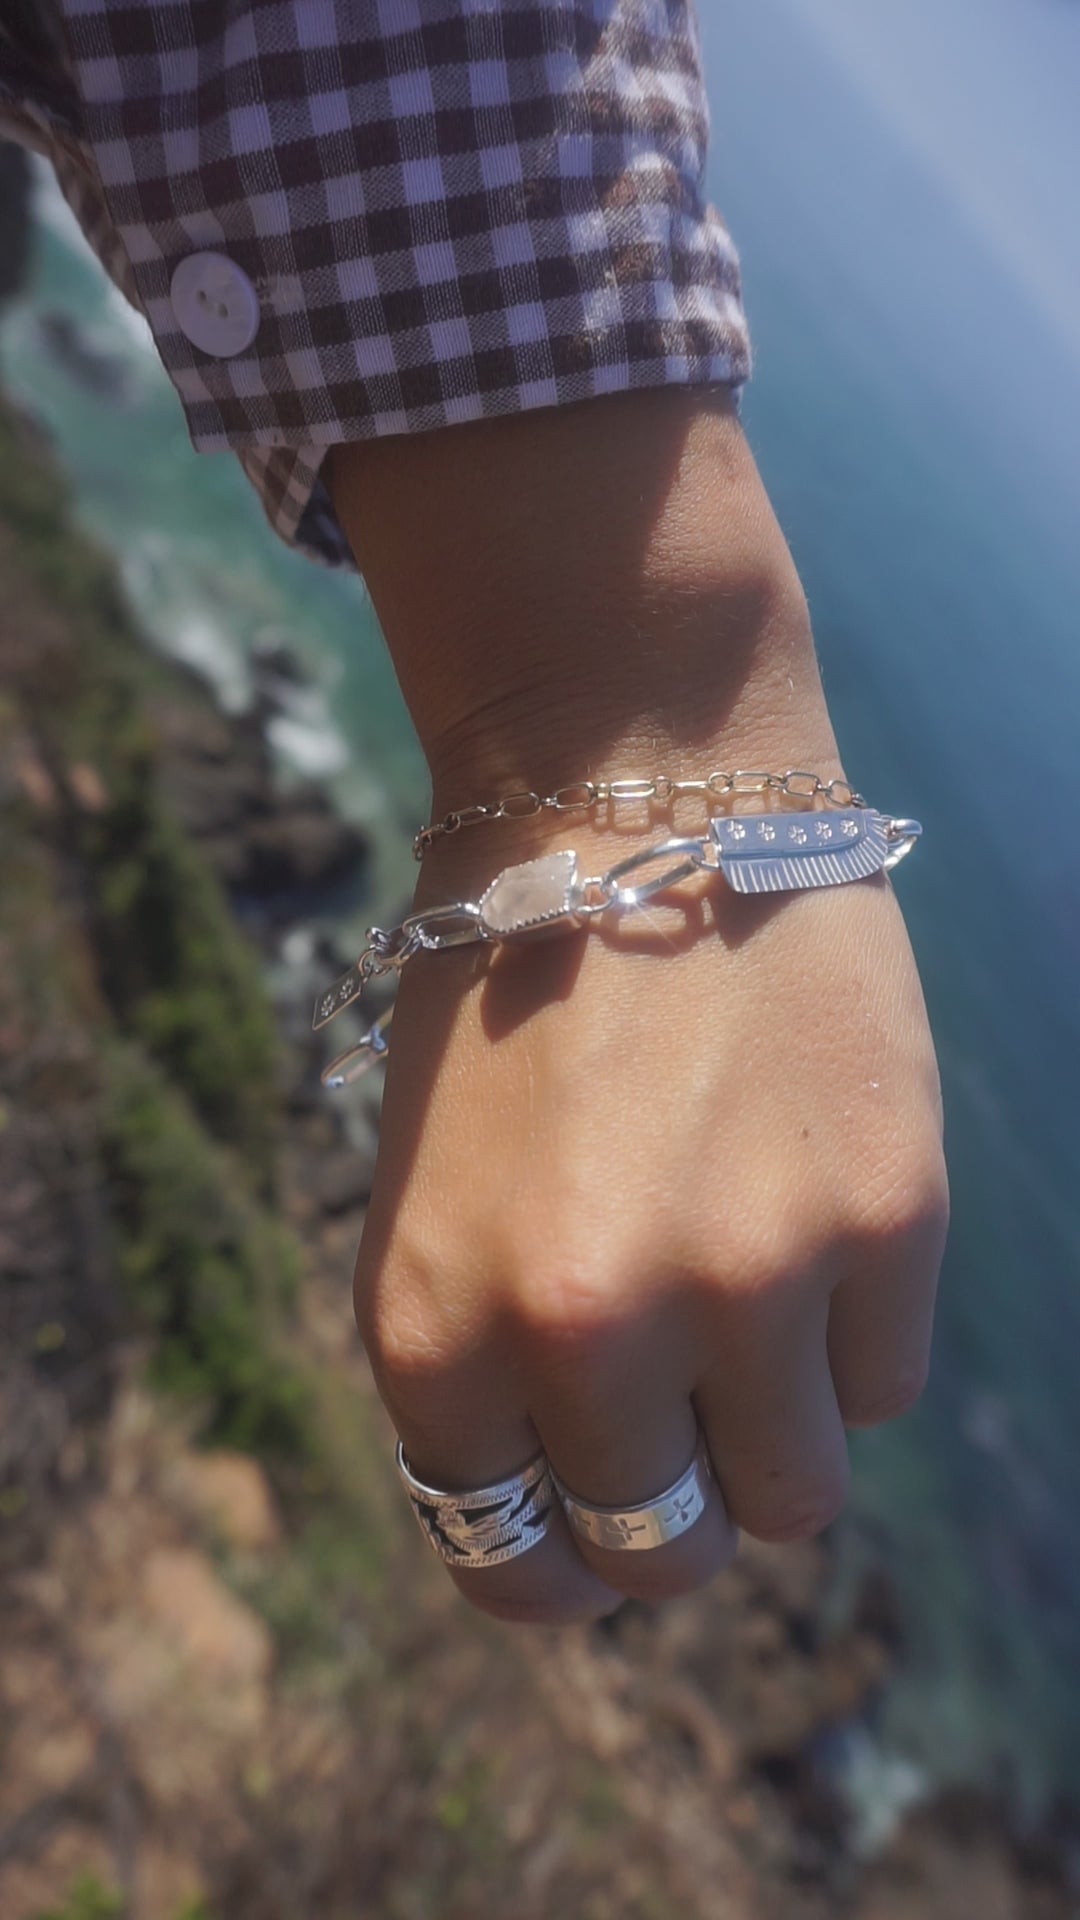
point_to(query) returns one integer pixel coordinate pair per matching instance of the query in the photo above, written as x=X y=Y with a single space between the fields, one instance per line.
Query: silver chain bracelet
x=582 y=796
x=756 y=853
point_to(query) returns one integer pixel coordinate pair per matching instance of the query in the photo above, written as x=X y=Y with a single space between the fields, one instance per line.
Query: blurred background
x=229 y=1683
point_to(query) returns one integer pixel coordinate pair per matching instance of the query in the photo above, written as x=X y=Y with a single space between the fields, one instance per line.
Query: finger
x=881 y=1320
x=461 y=1428
x=770 y=1416
x=550 y=1584
x=620 y=1433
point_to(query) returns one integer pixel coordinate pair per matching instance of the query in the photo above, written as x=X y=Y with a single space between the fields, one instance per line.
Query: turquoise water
x=931 y=507
x=209 y=580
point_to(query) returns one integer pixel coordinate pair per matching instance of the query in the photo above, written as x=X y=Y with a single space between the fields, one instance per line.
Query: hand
x=687 y=1171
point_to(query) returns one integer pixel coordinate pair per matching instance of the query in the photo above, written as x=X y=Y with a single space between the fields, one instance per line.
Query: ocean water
x=916 y=421
x=915 y=417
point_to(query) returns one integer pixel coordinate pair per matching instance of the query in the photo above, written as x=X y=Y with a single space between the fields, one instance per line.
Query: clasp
x=901 y=836
x=454 y=926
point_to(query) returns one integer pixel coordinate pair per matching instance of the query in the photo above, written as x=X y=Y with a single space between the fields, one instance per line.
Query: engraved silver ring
x=483 y=1526
x=652 y=1523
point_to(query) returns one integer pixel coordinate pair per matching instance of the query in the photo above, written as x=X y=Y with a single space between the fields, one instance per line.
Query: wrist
x=712 y=679
x=586 y=592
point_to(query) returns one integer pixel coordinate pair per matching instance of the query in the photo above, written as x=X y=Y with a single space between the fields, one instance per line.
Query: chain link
x=581 y=796
x=457 y=925
x=463 y=923
x=690 y=853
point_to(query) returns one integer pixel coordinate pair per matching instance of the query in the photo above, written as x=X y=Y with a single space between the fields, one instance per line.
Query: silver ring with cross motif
x=483 y=1526
x=652 y=1523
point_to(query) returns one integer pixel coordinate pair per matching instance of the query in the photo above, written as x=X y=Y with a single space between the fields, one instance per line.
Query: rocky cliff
x=233 y=1686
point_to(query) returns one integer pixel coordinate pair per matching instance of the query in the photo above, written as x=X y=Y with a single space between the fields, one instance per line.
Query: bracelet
x=583 y=795
x=755 y=853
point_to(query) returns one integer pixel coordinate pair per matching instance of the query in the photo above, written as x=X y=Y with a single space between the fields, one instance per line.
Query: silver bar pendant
x=778 y=852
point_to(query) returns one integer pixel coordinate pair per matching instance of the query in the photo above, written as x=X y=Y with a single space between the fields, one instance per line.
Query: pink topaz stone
x=539 y=893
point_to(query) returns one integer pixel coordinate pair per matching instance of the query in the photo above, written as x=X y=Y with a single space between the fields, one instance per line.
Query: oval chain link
x=456 y=925
x=519 y=806
x=581 y=796
x=611 y=882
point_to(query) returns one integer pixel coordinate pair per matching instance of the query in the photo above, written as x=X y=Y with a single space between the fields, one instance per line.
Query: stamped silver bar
x=780 y=852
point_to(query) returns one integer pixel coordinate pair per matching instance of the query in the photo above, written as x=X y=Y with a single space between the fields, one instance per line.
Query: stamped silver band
x=483 y=1526
x=653 y=1522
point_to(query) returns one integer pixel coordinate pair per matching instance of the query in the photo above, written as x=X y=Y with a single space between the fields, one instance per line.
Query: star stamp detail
x=795 y=852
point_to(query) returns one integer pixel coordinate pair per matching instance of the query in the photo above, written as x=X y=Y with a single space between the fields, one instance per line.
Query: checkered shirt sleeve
x=448 y=209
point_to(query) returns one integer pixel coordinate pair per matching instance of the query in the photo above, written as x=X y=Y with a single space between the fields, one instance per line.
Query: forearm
x=596 y=590
x=554 y=1257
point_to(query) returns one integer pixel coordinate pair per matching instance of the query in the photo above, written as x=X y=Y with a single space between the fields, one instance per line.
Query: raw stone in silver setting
x=538 y=894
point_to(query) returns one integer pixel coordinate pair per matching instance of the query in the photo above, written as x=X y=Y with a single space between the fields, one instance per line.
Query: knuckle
x=569 y=1305
x=910 y=1205
x=761 y=1260
x=394 y=1342
x=804 y=1520
x=902 y=1394
x=412 y=1332
x=804 y=1513
x=407 y=1353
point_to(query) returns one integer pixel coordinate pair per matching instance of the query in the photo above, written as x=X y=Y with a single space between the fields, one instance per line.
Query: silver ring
x=483 y=1526
x=652 y=1523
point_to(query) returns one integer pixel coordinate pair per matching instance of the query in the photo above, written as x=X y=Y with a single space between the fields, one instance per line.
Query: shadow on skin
x=526 y=975
x=538 y=538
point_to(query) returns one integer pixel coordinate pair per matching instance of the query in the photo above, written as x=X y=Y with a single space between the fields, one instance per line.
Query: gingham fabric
x=447 y=208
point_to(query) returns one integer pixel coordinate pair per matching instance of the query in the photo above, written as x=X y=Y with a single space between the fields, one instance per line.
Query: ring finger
x=624 y=1438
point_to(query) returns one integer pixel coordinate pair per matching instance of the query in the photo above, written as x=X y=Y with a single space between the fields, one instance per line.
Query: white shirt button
x=215 y=304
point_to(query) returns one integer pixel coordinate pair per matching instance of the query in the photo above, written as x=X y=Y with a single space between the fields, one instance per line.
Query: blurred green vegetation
x=211 y=1273
x=89 y=1900
x=173 y=966
x=132 y=986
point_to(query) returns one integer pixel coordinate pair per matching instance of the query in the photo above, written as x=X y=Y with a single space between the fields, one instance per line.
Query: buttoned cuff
x=344 y=221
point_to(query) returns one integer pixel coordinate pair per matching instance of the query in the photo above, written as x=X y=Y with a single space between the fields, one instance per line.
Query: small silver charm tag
x=341 y=994
x=538 y=894
x=778 y=852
